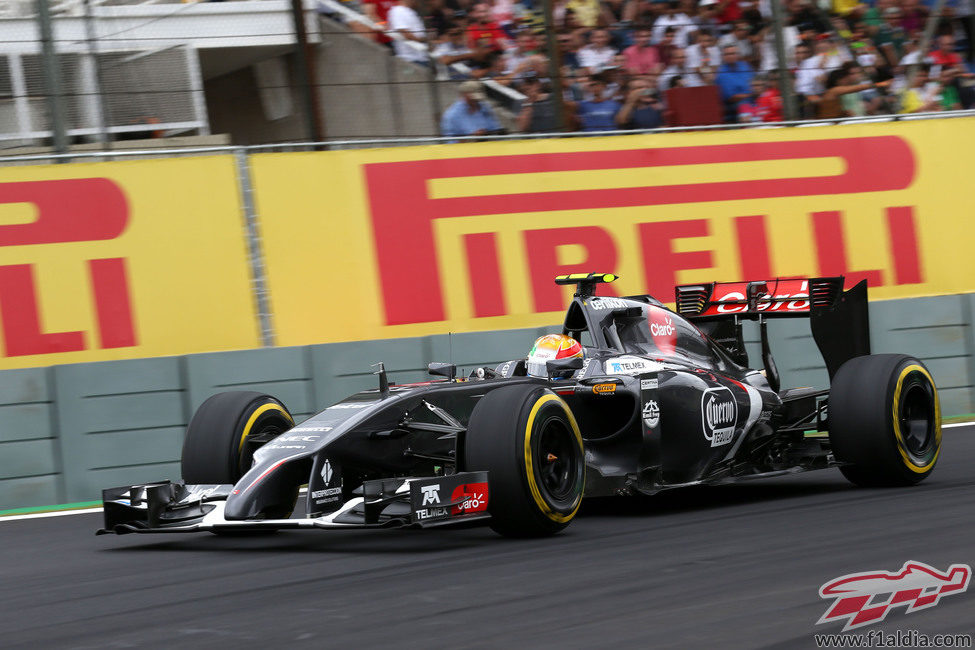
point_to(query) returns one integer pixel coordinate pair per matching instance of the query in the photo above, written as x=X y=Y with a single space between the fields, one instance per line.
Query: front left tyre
x=224 y=433
x=528 y=441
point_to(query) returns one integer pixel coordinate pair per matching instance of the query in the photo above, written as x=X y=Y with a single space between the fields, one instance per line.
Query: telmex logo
x=74 y=210
x=403 y=214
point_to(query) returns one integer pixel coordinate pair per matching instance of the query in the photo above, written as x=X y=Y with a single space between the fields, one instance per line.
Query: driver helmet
x=549 y=347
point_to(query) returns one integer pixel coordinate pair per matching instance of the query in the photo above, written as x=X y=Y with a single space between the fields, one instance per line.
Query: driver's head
x=549 y=347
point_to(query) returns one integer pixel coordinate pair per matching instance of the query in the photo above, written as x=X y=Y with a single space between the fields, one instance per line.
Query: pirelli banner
x=147 y=258
x=118 y=260
x=397 y=242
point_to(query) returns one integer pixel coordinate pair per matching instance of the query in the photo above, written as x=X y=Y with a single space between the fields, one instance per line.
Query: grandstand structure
x=148 y=69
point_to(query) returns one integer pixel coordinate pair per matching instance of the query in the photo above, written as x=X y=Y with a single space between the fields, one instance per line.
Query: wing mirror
x=447 y=370
x=562 y=367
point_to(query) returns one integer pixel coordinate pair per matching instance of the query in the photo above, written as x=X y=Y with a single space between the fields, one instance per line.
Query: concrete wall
x=66 y=432
x=939 y=330
x=352 y=72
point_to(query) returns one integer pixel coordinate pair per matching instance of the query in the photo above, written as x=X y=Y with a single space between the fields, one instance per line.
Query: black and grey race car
x=660 y=399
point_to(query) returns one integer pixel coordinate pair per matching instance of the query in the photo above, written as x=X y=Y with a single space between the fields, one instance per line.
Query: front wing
x=167 y=507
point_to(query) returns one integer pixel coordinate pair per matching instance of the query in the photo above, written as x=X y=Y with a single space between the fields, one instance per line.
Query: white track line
x=80 y=511
x=56 y=513
x=85 y=511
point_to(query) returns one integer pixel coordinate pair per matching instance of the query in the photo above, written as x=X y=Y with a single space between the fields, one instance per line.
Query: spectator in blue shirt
x=599 y=113
x=734 y=80
x=469 y=115
x=642 y=108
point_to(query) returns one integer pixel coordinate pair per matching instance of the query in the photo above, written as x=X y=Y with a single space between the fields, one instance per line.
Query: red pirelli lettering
x=79 y=209
x=542 y=247
x=484 y=268
x=71 y=210
x=661 y=262
x=403 y=211
x=22 y=334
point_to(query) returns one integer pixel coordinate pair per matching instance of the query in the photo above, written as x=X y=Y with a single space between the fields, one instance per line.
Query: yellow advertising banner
x=118 y=260
x=368 y=244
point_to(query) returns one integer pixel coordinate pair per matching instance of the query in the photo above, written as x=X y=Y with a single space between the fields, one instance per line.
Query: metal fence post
x=52 y=77
x=305 y=68
x=254 y=249
x=556 y=91
x=98 y=99
x=785 y=75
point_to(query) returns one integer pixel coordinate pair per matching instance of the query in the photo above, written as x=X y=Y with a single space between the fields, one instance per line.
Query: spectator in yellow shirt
x=587 y=12
x=921 y=97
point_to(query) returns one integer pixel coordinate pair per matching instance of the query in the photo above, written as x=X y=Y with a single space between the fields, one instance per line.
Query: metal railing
x=150 y=78
x=418 y=141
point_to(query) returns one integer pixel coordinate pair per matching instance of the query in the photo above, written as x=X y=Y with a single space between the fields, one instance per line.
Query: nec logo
x=404 y=209
x=64 y=211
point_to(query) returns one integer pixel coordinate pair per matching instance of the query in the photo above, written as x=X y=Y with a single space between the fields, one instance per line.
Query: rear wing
x=782 y=297
x=839 y=319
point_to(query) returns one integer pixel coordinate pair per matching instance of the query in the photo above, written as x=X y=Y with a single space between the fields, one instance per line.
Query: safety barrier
x=68 y=431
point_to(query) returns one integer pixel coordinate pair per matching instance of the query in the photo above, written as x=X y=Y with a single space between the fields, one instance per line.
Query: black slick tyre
x=885 y=420
x=528 y=441
x=225 y=431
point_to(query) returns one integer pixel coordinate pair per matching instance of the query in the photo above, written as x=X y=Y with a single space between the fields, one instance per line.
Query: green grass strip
x=64 y=506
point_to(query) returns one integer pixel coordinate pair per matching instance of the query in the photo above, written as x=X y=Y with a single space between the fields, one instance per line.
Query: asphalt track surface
x=723 y=567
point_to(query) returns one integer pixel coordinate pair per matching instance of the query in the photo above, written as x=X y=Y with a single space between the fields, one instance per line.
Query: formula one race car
x=631 y=398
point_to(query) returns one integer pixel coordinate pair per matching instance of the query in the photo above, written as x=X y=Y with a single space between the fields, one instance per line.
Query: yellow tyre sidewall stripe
x=258 y=412
x=901 y=445
x=529 y=471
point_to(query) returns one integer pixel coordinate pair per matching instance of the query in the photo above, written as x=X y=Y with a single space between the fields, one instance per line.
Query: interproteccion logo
x=866 y=598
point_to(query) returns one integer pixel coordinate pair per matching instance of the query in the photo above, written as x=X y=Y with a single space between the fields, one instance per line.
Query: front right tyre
x=226 y=431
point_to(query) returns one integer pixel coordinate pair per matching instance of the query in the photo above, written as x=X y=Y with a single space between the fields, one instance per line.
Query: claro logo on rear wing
x=779 y=297
x=839 y=320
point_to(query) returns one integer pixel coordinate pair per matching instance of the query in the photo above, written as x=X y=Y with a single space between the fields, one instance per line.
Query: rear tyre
x=885 y=420
x=528 y=441
x=225 y=432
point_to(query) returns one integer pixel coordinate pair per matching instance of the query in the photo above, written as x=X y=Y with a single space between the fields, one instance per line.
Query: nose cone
x=268 y=491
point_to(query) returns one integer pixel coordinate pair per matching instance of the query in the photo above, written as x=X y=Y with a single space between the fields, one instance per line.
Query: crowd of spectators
x=624 y=62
